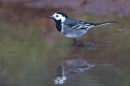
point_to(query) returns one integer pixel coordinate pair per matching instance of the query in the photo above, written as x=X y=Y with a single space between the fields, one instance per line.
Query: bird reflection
x=70 y=67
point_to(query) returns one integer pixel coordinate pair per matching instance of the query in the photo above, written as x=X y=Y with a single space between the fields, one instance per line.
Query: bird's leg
x=74 y=43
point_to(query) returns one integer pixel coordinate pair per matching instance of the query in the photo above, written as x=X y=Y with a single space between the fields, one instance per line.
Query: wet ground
x=34 y=53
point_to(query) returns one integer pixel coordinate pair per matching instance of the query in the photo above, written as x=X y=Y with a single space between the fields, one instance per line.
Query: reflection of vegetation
x=23 y=52
x=27 y=57
x=126 y=75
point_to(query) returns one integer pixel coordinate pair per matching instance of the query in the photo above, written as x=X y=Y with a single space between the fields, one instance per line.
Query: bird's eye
x=56 y=15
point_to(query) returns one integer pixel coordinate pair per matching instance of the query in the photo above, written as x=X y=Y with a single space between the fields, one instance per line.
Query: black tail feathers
x=104 y=23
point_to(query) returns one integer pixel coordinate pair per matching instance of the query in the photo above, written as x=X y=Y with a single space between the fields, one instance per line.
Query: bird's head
x=59 y=16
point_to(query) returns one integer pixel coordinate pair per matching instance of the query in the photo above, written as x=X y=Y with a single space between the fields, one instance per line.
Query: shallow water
x=31 y=50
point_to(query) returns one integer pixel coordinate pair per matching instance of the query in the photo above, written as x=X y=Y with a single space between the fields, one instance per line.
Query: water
x=31 y=51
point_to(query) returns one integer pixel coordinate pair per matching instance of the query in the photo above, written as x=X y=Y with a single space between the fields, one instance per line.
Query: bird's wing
x=82 y=25
x=76 y=24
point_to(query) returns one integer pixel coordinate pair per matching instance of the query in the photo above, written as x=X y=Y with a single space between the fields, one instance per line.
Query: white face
x=58 y=17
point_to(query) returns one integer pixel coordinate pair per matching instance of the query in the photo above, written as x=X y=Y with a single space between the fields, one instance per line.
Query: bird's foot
x=79 y=43
x=90 y=43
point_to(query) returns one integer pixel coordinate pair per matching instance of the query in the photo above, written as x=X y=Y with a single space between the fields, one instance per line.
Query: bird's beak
x=50 y=16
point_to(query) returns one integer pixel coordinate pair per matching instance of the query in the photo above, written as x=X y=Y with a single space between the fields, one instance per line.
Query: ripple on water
x=102 y=76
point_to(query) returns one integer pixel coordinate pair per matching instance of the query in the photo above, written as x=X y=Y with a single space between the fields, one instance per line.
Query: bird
x=73 y=28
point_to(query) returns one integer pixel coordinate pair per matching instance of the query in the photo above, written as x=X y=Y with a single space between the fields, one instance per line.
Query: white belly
x=71 y=36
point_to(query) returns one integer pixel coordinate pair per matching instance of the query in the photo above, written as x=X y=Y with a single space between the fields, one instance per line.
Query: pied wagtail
x=73 y=28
